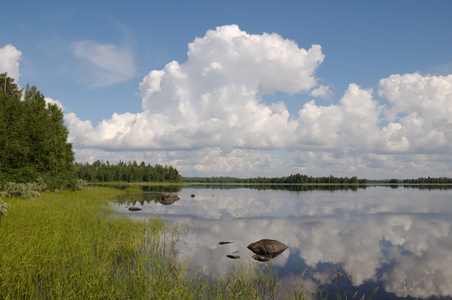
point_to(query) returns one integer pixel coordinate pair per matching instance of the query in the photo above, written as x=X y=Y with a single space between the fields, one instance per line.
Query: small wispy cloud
x=323 y=91
x=107 y=64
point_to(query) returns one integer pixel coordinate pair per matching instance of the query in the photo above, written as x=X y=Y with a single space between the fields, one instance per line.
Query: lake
x=391 y=242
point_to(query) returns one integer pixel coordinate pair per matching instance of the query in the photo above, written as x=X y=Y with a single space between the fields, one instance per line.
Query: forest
x=34 y=147
x=33 y=138
x=126 y=172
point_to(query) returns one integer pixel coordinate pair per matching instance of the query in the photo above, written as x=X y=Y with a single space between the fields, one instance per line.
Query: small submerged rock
x=233 y=256
x=224 y=243
x=192 y=195
x=133 y=208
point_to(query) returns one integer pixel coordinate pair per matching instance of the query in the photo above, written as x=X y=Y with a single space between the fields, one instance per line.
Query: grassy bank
x=71 y=246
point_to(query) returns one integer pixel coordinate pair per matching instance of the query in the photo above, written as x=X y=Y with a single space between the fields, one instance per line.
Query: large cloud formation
x=211 y=109
x=214 y=99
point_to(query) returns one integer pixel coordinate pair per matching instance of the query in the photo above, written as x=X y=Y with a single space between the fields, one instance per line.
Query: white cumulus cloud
x=9 y=61
x=211 y=105
x=420 y=112
x=214 y=98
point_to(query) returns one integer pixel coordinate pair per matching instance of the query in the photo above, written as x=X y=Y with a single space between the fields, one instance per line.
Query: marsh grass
x=68 y=246
x=71 y=246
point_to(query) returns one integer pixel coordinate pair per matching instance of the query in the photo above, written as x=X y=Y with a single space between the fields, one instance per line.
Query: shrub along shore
x=71 y=245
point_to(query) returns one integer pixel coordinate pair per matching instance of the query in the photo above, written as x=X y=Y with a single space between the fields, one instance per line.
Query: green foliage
x=24 y=190
x=429 y=180
x=128 y=172
x=33 y=137
x=80 y=184
x=3 y=208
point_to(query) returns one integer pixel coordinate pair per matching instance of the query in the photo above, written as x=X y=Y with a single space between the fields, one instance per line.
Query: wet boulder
x=192 y=195
x=267 y=249
x=169 y=199
x=133 y=208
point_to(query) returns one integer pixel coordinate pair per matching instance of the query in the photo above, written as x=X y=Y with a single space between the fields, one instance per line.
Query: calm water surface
x=398 y=240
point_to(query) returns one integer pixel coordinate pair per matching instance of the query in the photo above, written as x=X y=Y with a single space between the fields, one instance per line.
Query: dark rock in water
x=224 y=243
x=266 y=246
x=266 y=257
x=133 y=208
x=170 y=196
x=169 y=199
x=266 y=249
x=192 y=195
x=262 y=258
x=167 y=202
x=233 y=256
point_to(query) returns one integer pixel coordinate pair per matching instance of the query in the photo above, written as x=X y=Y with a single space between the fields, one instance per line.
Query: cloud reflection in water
x=400 y=238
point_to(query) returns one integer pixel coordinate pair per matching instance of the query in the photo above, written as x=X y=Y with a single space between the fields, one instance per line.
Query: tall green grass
x=71 y=245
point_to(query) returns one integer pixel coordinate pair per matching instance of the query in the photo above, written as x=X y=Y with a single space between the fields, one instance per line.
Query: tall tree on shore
x=33 y=137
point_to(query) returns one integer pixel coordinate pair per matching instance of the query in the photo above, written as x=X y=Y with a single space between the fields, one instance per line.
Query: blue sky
x=372 y=100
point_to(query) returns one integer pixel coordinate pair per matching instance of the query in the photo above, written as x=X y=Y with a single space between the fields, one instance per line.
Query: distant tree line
x=304 y=179
x=420 y=180
x=100 y=171
x=428 y=180
x=292 y=179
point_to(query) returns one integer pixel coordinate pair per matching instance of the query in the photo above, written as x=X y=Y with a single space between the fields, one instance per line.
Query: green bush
x=81 y=184
x=3 y=208
x=24 y=190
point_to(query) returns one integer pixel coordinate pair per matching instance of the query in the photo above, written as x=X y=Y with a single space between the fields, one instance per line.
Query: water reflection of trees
x=307 y=188
x=142 y=198
x=429 y=187
x=316 y=187
x=279 y=187
x=145 y=188
x=162 y=188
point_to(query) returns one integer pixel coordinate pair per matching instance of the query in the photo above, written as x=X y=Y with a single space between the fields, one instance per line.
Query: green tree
x=33 y=138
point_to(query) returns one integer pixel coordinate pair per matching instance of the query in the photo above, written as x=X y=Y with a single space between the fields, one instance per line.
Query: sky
x=244 y=88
